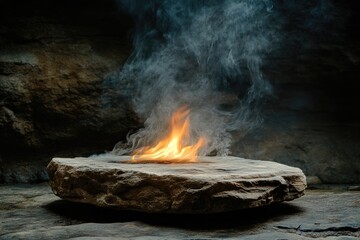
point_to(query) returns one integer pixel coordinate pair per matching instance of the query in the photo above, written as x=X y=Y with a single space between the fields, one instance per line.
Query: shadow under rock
x=243 y=218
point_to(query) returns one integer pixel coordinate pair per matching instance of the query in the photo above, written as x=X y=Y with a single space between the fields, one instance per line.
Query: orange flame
x=173 y=147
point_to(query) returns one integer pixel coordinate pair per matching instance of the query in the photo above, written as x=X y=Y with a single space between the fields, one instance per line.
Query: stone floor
x=33 y=212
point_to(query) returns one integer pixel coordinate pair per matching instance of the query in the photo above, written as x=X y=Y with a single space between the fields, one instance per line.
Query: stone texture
x=53 y=62
x=214 y=184
x=311 y=122
x=33 y=212
x=54 y=59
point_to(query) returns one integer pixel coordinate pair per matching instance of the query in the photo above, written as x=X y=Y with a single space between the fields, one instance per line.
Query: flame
x=174 y=146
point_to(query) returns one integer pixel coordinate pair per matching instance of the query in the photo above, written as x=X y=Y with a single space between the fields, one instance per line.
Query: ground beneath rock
x=33 y=212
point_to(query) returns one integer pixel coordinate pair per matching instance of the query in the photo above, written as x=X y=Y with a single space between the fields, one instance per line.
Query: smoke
x=193 y=53
x=204 y=54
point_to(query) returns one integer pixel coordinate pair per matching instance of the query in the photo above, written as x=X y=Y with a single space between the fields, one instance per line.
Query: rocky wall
x=54 y=56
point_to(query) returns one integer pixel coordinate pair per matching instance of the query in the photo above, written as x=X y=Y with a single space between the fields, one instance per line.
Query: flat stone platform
x=212 y=185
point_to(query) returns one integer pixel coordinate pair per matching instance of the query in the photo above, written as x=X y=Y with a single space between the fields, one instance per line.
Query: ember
x=175 y=146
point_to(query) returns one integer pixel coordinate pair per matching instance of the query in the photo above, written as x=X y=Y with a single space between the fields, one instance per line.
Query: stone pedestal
x=214 y=184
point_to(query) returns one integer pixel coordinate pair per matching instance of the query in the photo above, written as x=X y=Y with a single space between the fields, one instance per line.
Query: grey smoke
x=204 y=54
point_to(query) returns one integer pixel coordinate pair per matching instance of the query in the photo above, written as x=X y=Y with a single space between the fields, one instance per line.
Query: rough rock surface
x=311 y=123
x=33 y=212
x=214 y=184
x=54 y=59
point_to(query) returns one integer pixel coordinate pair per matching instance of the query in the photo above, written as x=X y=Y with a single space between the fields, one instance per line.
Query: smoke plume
x=204 y=54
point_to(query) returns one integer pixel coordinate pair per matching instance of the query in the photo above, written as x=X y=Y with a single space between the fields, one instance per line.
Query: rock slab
x=214 y=184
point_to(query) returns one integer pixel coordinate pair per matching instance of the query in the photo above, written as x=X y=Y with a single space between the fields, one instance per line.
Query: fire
x=174 y=146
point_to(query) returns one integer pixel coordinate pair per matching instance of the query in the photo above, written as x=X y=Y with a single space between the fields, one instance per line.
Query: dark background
x=55 y=56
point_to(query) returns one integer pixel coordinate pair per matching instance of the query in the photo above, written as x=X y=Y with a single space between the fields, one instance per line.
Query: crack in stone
x=322 y=232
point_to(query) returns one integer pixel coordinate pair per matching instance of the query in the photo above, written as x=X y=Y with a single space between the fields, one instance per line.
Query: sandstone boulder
x=214 y=184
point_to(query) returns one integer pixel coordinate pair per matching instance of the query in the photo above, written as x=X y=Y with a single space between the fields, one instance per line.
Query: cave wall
x=313 y=121
x=55 y=55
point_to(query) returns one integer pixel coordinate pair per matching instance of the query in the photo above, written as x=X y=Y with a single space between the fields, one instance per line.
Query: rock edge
x=215 y=184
